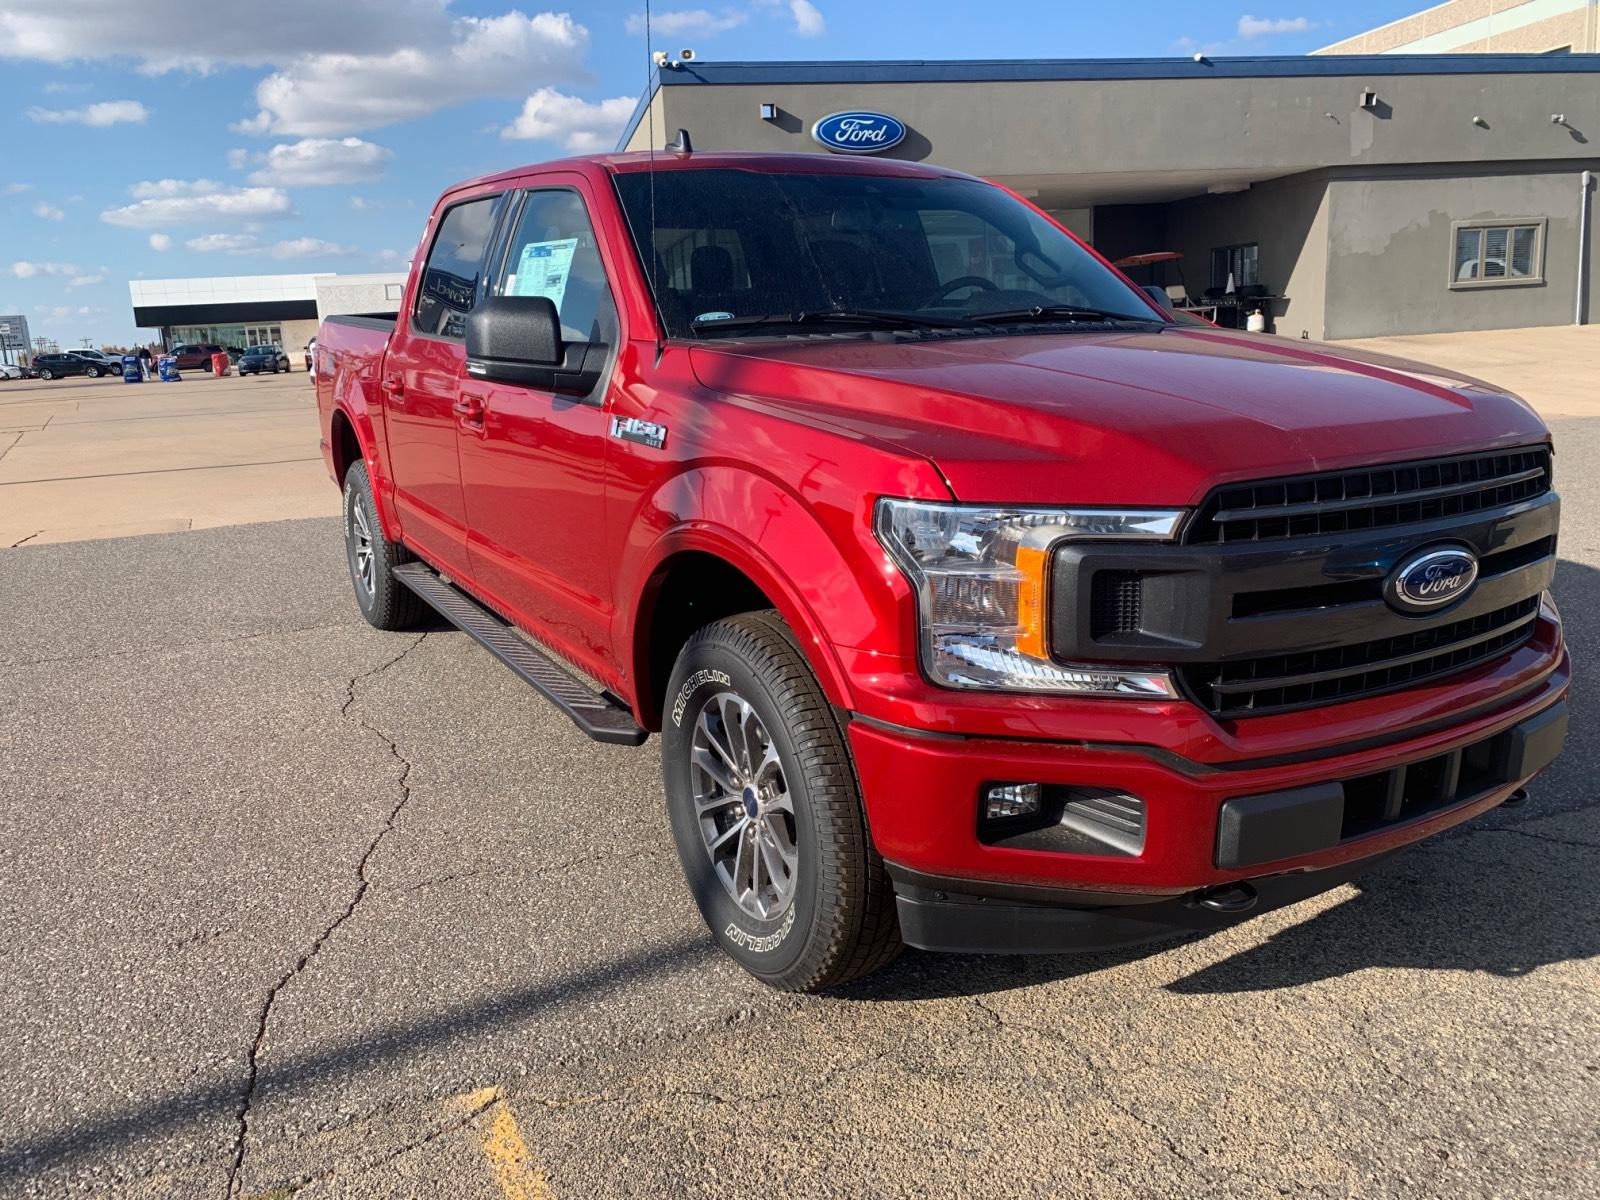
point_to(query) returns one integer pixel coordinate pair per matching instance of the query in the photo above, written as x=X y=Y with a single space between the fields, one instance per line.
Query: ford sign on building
x=859 y=132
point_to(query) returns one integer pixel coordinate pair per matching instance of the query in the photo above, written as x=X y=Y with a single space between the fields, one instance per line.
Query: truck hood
x=1147 y=418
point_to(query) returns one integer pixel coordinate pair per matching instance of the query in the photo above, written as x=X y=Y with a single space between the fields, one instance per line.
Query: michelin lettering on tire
x=698 y=679
x=760 y=945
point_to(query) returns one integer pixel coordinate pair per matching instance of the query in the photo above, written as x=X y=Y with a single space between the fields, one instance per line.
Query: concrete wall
x=359 y=293
x=1034 y=134
x=295 y=336
x=1390 y=240
x=1288 y=218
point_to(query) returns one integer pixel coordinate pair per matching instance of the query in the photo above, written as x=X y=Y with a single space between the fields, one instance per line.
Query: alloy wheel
x=361 y=536
x=743 y=807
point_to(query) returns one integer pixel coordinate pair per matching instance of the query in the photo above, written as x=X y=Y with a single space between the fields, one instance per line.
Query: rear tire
x=93 y=372
x=385 y=602
x=765 y=810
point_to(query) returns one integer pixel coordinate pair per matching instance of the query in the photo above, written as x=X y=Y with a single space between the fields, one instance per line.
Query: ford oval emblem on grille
x=1431 y=579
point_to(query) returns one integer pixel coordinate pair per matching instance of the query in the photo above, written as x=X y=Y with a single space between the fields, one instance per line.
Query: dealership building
x=1342 y=195
x=256 y=310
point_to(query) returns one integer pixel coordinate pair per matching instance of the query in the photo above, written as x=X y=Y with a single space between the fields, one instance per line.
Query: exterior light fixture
x=1369 y=99
x=769 y=112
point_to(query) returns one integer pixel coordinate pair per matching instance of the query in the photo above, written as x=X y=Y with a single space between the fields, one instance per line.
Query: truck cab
x=978 y=605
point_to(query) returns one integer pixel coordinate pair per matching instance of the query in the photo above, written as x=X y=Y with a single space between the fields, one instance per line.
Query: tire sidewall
x=764 y=948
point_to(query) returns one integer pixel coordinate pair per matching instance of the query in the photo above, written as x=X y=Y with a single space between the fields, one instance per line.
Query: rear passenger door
x=422 y=375
x=532 y=469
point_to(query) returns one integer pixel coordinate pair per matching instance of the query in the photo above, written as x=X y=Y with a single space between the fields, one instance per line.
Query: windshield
x=737 y=248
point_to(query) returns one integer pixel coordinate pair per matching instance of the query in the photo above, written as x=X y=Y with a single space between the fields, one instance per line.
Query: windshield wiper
x=1053 y=312
x=860 y=317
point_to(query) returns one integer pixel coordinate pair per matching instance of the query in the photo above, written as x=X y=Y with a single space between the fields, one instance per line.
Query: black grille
x=1371 y=497
x=1116 y=599
x=1275 y=683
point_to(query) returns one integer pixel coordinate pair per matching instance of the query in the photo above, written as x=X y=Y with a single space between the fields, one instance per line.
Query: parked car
x=107 y=364
x=57 y=366
x=984 y=609
x=260 y=360
x=11 y=371
x=311 y=355
x=195 y=356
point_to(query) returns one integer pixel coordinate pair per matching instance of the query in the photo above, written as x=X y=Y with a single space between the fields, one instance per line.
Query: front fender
x=810 y=563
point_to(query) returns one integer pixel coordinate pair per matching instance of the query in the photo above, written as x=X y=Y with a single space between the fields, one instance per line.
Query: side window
x=553 y=253
x=450 y=276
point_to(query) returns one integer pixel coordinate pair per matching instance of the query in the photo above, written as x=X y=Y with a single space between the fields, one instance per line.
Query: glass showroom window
x=1497 y=253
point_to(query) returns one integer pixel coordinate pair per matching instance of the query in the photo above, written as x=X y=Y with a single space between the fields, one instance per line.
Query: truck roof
x=746 y=160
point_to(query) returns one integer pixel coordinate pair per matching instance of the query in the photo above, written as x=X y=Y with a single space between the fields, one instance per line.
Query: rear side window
x=450 y=276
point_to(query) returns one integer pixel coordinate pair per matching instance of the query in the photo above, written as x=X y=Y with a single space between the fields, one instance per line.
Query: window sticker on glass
x=543 y=270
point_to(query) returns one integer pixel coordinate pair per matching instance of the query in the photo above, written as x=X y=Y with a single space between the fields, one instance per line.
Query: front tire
x=93 y=372
x=766 y=814
x=46 y=373
x=385 y=602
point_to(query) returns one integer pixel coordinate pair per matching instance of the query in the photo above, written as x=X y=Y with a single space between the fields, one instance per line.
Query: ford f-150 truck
x=979 y=606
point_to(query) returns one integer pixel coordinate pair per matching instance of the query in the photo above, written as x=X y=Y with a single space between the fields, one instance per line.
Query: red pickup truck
x=979 y=606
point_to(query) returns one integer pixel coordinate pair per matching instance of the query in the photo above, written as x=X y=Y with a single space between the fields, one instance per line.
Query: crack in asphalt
x=242 y=1114
x=1570 y=843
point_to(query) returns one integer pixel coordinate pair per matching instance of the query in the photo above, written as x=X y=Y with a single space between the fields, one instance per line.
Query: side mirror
x=1159 y=295
x=517 y=339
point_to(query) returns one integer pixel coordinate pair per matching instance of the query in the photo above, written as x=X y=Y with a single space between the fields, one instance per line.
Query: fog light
x=1005 y=801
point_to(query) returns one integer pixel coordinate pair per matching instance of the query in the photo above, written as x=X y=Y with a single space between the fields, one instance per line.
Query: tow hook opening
x=1228 y=898
x=1516 y=800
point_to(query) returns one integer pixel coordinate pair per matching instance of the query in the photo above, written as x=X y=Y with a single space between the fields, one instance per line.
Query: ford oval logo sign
x=859 y=132
x=1431 y=579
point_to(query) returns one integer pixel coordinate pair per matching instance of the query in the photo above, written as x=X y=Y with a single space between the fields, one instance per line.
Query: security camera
x=686 y=55
x=659 y=58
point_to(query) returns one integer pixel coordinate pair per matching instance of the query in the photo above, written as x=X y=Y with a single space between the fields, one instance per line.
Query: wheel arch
x=703 y=575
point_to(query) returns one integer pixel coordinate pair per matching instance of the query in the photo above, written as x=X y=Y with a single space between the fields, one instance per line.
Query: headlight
x=980 y=578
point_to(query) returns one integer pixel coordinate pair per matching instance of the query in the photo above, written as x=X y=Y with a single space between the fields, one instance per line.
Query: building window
x=1241 y=264
x=1489 y=254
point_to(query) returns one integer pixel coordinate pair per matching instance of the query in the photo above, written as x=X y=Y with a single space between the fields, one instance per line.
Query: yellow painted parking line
x=515 y=1170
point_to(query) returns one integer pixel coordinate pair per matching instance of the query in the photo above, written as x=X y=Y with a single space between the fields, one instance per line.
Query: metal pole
x=1580 y=310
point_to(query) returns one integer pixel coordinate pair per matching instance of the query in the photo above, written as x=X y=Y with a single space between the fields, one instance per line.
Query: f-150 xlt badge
x=646 y=433
x=1432 y=579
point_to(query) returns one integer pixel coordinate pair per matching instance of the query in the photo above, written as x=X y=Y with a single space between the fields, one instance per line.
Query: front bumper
x=1207 y=824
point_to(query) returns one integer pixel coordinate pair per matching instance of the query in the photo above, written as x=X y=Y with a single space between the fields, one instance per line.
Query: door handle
x=393 y=386
x=471 y=410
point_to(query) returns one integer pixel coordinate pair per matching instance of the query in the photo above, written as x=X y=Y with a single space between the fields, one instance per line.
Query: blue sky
x=312 y=135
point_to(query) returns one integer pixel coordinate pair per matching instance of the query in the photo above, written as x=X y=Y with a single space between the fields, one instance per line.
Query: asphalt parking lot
x=289 y=906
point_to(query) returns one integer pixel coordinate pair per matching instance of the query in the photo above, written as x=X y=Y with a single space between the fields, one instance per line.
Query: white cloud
x=27 y=270
x=238 y=159
x=686 y=22
x=808 y=21
x=239 y=34
x=362 y=204
x=193 y=202
x=246 y=243
x=581 y=126
x=60 y=89
x=335 y=93
x=161 y=242
x=316 y=161
x=49 y=212
x=223 y=243
x=17 y=189
x=1254 y=27
x=78 y=281
x=106 y=113
x=310 y=247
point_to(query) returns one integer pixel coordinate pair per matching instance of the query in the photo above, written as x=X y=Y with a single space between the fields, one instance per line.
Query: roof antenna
x=651 y=91
x=681 y=144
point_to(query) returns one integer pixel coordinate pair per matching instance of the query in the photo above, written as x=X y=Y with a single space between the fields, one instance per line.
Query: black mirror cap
x=514 y=330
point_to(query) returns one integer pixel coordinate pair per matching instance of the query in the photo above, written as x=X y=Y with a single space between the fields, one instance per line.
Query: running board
x=601 y=717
